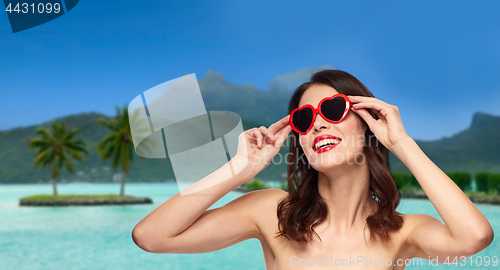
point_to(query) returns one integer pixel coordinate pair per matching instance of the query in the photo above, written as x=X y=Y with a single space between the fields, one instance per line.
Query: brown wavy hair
x=303 y=207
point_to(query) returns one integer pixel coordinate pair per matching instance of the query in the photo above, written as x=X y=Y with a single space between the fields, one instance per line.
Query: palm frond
x=49 y=159
x=111 y=124
x=77 y=148
x=38 y=142
x=45 y=133
x=107 y=153
x=74 y=153
x=41 y=157
x=40 y=150
x=70 y=134
x=58 y=129
x=69 y=166
x=105 y=141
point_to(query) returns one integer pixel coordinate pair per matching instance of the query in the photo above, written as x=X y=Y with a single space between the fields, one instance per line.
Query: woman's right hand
x=258 y=146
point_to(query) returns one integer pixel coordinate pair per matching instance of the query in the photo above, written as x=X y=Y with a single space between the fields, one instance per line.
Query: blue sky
x=438 y=61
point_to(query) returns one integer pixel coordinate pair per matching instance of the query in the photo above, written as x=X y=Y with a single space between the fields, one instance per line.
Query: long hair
x=303 y=207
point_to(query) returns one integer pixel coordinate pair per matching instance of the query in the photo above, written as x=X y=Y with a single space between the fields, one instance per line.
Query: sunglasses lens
x=334 y=108
x=302 y=119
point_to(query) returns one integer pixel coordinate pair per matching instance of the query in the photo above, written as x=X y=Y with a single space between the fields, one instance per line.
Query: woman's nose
x=320 y=123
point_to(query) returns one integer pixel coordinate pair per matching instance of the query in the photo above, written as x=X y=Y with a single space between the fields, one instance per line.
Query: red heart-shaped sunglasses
x=333 y=109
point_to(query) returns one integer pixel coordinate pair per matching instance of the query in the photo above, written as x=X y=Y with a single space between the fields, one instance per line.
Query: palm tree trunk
x=54 y=187
x=122 y=188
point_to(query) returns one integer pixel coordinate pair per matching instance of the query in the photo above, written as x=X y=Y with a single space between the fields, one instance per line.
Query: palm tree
x=118 y=145
x=54 y=149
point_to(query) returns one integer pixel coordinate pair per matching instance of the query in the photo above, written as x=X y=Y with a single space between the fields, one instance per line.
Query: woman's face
x=343 y=143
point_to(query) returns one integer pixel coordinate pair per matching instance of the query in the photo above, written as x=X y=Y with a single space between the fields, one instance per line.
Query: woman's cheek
x=354 y=151
x=304 y=142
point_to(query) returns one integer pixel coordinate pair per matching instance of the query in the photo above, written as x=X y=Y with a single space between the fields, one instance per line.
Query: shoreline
x=485 y=199
x=69 y=183
x=82 y=201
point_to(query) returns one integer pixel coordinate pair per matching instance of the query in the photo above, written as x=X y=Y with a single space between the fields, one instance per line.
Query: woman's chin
x=323 y=165
x=327 y=162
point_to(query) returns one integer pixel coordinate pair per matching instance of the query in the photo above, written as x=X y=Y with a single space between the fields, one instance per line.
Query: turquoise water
x=99 y=237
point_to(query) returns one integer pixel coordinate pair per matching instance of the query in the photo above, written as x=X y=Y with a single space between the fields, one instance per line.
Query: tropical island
x=57 y=148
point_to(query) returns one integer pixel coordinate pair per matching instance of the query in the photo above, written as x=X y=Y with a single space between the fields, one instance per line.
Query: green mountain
x=220 y=95
x=474 y=149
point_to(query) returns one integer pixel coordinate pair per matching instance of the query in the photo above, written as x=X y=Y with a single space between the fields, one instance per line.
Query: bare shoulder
x=261 y=205
x=262 y=198
x=413 y=220
x=269 y=194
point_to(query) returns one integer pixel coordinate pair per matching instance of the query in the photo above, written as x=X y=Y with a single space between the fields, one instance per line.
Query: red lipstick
x=323 y=137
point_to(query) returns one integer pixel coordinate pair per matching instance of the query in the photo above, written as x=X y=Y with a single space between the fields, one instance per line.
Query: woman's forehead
x=314 y=94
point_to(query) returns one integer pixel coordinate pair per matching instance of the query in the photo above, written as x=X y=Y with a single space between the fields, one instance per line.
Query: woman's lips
x=326 y=148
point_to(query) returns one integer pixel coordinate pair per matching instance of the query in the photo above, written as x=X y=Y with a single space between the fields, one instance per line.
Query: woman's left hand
x=389 y=128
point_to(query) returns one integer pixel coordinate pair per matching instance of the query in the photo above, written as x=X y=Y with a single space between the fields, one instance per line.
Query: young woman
x=340 y=208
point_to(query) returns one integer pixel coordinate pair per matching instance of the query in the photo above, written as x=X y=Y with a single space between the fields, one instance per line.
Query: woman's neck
x=345 y=190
